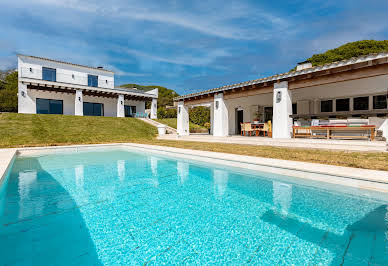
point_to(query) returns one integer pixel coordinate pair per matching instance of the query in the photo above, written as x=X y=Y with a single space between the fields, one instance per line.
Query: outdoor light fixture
x=23 y=94
x=179 y=110
x=278 y=96
x=79 y=99
x=121 y=102
x=72 y=76
x=217 y=104
x=30 y=69
x=106 y=81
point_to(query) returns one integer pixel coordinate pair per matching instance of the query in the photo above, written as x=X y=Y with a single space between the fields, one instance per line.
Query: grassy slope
x=172 y=122
x=37 y=130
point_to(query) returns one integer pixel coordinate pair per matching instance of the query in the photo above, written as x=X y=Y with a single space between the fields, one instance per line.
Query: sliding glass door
x=130 y=111
x=48 y=106
x=93 y=109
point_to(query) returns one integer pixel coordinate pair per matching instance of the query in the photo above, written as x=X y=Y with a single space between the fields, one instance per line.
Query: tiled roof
x=295 y=73
x=67 y=63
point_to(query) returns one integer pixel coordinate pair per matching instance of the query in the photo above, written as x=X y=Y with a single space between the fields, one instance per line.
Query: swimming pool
x=118 y=207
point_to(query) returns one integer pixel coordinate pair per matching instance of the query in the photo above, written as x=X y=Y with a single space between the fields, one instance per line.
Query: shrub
x=199 y=115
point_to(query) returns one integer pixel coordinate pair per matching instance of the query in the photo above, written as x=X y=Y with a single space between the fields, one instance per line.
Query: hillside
x=349 y=50
x=18 y=130
x=166 y=96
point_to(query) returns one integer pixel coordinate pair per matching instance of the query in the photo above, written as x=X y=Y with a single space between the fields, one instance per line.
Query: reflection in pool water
x=119 y=207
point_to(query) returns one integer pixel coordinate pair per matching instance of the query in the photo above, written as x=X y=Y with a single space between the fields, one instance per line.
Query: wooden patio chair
x=246 y=128
x=267 y=129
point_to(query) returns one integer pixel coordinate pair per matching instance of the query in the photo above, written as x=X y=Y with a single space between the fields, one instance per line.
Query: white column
x=212 y=119
x=282 y=109
x=221 y=117
x=26 y=104
x=183 y=120
x=78 y=103
x=120 y=106
x=154 y=109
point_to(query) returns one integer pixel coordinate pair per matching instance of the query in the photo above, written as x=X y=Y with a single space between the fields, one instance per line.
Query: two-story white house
x=47 y=86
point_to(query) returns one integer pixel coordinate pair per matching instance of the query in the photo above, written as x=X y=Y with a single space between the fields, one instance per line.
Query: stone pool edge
x=7 y=156
x=347 y=176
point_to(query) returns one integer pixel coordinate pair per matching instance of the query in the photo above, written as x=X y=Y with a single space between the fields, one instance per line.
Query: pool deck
x=346 y=145
x=6 y=158
x=334 y=175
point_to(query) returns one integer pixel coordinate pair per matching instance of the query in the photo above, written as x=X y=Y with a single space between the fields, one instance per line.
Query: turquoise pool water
x=118 y=208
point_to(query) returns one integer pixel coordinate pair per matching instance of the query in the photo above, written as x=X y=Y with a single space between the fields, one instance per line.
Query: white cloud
x=189 y=60
x=214 y=19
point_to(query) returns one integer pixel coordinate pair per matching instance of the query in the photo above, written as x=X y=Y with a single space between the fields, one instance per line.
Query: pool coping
x=7 y=156
x=347 y=176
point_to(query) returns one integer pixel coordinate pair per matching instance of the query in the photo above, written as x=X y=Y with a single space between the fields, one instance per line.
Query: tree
x=349 y=50
x=8 y=92
x=199 y=115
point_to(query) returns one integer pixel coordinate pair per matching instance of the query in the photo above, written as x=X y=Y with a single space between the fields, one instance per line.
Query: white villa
x=49 y=86
x=348 y=90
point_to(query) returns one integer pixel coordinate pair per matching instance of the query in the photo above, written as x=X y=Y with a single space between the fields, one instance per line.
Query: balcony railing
x=36 y=73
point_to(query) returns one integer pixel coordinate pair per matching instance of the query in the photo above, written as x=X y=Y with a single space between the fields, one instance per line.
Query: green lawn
x=172 y=122
x=18 y=130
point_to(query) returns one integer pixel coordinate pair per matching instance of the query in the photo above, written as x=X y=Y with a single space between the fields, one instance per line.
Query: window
x=93 y=109
x=130 y=111
x=361 y=103
x=92 y=81
x=294 y=109
x=48 y=106
x=342 y=105
x=327 y=106
x=49 y=74
x=380 y=102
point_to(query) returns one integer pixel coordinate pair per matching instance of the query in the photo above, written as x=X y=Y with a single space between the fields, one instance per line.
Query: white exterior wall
x=27 y=104
x=64 y=72
x=26 y=100
x=346 y=89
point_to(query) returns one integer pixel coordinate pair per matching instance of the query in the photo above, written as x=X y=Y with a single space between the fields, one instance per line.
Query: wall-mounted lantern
x=79 y=99
x=121 y=102
x=278 y=96
x=31 y=69
x=23 y=94
x=106 y=81
x=179 y=110
x=72 y=76
x=217 y=104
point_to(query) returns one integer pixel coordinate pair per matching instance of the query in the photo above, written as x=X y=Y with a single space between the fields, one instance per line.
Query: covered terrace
x=349 y=93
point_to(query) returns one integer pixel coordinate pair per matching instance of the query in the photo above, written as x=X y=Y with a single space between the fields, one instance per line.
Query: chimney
x=303 y=65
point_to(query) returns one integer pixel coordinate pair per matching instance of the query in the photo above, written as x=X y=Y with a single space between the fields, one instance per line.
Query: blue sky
x=185 y=45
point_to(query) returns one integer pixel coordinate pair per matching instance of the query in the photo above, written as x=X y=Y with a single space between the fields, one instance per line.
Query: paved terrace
x=347 y=145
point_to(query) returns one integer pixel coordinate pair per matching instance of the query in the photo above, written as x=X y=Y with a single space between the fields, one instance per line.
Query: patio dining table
x=256 y=127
